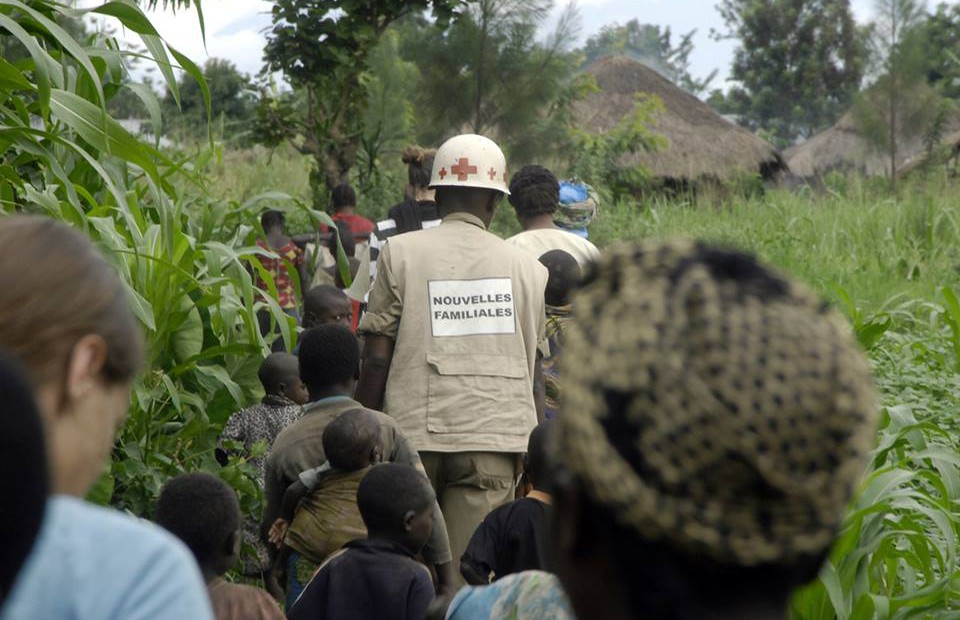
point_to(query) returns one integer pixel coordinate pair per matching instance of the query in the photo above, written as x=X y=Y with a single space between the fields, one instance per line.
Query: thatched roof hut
x=843 y=148
x=701 y=144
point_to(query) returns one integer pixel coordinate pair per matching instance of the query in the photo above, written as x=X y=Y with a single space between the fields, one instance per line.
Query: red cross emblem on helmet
x=470 y=160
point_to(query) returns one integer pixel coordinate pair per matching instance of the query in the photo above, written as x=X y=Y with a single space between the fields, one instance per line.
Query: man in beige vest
x=452 y=328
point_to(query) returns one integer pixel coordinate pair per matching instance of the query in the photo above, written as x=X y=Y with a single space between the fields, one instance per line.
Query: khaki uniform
x=466 y=311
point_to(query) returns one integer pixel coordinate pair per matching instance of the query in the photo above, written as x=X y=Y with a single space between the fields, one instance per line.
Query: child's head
x=352 y=440
x=272 y=221
x=564 y=276
x=535 y=460
x=396 y=503
x=343 y=197
x=326 y=304
x=329 y=358
x=280 y=376
x=203 y=512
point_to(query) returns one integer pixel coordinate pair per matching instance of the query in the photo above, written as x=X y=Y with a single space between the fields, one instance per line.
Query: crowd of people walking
x=468 y=427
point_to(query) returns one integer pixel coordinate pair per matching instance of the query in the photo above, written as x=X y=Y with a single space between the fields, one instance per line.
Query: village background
x=827 y=143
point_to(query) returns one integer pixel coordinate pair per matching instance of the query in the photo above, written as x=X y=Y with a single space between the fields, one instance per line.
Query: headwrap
x=713 y=406
x=579 y=205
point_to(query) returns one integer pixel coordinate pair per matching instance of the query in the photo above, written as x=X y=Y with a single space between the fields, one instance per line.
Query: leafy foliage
x=899 y=102
x=598 y=156
x=651 y=45
x=184 y=257
x=489 y=74
x=322 y=47
x=799 y=63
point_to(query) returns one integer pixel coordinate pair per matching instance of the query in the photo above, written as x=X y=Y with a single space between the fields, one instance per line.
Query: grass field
x=892 y=265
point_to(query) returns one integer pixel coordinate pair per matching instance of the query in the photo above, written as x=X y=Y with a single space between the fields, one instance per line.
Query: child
x=509 y=539
x=326 y=513
x=326 y=304
x=564 y=277
x=378 y=577
x=203 y=512
x=261 y=423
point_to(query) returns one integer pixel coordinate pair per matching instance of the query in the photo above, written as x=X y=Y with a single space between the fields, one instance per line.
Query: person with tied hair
x=202 y=511
x=535 y=196
x=417 y=211
x=65 y=317
x=378 y=576
x=713 y=430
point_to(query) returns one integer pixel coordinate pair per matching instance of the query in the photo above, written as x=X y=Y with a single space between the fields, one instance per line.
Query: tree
x=899 y=102
x=231 y=100
x=652 y=46
x=322 y=48
x=939 y=35
x=489 y=74
x=799 y=63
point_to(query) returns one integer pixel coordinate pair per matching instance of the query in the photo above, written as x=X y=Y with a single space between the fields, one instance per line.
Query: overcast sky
x=235 y=28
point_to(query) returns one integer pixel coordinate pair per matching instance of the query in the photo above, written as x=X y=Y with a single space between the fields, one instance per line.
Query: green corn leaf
x=39 y=56
x=88 y=121
x=65 y=40
x=152 y=104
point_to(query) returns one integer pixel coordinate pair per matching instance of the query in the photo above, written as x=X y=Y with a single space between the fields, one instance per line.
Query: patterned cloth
x=261 y=422
x=276 y=267
x=557 y=318
x=530 y=595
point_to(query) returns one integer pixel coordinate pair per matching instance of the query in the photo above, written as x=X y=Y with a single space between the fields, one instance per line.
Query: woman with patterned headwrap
x=713 y=429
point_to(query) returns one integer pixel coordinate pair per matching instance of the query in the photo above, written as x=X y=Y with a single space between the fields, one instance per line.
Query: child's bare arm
x=291 y=498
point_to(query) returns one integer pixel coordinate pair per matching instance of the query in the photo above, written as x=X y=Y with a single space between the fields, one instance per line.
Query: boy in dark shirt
x=203 y=512
x=377 y=578
x=508 y=540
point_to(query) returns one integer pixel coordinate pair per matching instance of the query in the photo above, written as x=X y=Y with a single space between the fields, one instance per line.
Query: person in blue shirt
x=65 y=315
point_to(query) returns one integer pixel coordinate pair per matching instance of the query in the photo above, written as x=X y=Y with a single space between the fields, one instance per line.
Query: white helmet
x=470 y=160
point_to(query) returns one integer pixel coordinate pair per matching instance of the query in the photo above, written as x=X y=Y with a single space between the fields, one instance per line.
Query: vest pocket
x=479 y=394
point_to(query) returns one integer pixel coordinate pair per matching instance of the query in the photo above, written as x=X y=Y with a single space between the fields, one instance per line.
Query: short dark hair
x=536 y=461
x=329 y=355
x=318 y=299
x=343 y=196
x=202 y=511
x=272 y=218
x=564 y=276
x=534 y=191
x=277 y=369
x=23 y=471
x=349 y=440
x=389 y=492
